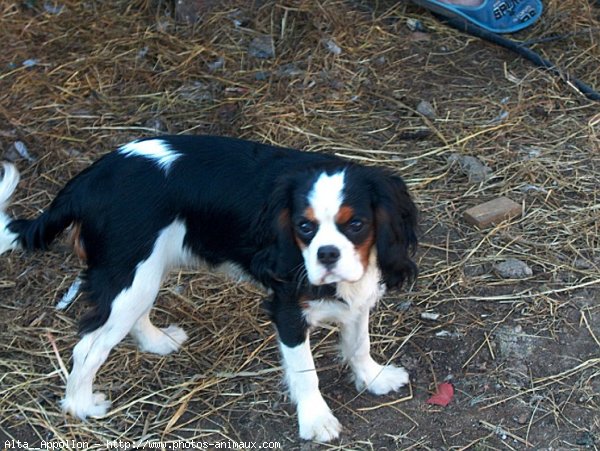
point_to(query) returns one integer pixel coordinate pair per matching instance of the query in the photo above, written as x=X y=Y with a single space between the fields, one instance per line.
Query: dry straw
x=99 y=74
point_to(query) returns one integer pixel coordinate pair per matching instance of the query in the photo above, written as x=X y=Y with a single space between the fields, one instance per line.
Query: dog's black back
x=219 y=187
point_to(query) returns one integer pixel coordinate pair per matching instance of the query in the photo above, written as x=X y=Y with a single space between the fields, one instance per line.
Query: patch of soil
x=78 y=79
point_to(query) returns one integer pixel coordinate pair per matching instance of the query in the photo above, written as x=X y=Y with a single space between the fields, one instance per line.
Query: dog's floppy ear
x=280 y=259
x=395 y=222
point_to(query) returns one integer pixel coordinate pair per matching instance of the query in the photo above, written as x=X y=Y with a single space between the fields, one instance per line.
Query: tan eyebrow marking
x=309 y=214
x=344 y=214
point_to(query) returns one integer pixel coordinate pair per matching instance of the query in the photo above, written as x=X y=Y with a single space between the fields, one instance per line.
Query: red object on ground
x=443 y=396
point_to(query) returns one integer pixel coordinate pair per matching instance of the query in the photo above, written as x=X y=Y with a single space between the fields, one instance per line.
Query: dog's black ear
x=280 y=258
x=396 y=223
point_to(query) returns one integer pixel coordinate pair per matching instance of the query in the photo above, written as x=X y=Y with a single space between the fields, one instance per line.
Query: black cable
x=520 y=49
x=559 y=37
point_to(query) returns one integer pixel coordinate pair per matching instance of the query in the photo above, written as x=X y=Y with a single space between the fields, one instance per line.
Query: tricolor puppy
x=323 y=235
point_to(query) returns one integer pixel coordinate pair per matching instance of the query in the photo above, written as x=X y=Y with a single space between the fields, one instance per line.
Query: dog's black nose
x=328 y=255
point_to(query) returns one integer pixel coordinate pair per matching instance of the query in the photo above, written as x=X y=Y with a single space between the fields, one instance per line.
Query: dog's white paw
x=165 y=341
x=317 y=422
x=381 y=380
x=96 y=406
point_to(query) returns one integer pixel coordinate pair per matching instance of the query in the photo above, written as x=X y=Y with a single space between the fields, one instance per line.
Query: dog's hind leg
x=93 y=349
x=165 y=340
x=129 y=310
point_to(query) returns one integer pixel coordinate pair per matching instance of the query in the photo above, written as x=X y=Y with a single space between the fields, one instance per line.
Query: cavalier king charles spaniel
x=324 y=236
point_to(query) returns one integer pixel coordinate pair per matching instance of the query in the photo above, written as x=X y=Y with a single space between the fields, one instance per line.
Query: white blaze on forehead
x=325 y=200
x=156 y=150
x=326 y=196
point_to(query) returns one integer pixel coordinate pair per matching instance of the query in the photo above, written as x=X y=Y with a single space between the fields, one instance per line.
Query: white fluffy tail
x=8 y=184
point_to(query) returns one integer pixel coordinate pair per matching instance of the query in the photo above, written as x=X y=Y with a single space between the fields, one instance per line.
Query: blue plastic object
x=496 y=16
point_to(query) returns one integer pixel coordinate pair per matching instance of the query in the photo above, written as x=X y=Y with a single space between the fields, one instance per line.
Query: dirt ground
x=78 y=78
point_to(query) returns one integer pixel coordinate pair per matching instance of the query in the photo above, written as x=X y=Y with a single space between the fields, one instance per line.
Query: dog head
x=334 y=222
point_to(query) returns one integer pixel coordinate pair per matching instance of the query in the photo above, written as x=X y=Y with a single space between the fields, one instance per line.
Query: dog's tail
x=30 y=234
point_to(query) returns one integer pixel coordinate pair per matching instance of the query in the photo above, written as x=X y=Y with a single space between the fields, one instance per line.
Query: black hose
x=520 y=49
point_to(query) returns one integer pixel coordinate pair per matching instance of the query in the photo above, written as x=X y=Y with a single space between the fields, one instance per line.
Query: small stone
x=142 y=53
x=474 y=169
x=447 y=334
x=289 y=70
x=513 y=268
x=217 y=64
x=426 y=109
x=415 y=25
x=239 y=18
x=522 y=419
x=31 y=62
x=380 y=60
x=431 y=316
x=191 y=11
x=404 y=306
x=262 y=46
x=332 y=46
x=528 y=188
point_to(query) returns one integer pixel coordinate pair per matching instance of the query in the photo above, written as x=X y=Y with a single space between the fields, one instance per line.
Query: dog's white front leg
x=356 y=350
x=314 y=416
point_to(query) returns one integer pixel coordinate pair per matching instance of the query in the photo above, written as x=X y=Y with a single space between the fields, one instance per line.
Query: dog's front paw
x=317 y=422
x=381 y=380
x=96 y=406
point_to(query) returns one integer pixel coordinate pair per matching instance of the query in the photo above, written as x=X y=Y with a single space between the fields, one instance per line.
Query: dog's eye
x=355 y=225
x=306 y=228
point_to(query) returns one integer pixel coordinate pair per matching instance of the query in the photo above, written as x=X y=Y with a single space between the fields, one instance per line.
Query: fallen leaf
x=443 y=396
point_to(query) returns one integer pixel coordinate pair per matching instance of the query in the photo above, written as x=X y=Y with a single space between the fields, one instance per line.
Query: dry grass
x=107 y=72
